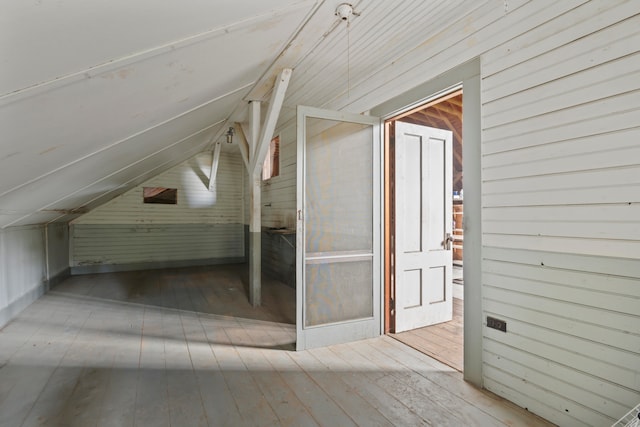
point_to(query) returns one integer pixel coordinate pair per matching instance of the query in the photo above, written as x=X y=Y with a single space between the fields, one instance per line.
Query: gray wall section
x=279 y=257
x=57 y=239
x=23 y=269
x=118 y=247
x=24 y=273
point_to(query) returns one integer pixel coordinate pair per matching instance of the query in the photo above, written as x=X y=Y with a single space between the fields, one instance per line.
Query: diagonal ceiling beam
x=242 y=143
x=273 y=112
x=253 y=131
x=214 y=165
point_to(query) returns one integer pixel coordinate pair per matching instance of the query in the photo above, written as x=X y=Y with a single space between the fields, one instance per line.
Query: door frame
x=467 y=75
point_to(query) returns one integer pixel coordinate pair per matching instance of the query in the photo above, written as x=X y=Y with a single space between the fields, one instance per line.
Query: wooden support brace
x=214 y=165
x=243 y=144
x=275 y=104
x=253 y=132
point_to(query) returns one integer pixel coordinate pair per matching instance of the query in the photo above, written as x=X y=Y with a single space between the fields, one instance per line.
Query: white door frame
x=468 y=75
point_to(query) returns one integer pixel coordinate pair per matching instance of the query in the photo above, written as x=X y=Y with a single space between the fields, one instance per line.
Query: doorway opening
x=424 y=199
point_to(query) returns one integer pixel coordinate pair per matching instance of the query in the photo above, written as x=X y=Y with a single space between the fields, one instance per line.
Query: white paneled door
x=423 y=261
x=338 y=232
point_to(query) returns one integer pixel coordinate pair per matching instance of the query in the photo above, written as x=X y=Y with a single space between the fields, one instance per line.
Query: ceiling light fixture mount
x=344 y=11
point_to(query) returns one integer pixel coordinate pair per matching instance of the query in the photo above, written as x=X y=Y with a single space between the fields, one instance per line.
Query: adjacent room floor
x=443 y=342
x=184 y=348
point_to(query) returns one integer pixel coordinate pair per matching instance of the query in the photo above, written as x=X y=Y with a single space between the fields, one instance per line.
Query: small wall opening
x=160 y=195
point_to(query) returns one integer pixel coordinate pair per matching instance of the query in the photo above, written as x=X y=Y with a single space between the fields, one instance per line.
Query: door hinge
x=392 y=304
x=300 y=215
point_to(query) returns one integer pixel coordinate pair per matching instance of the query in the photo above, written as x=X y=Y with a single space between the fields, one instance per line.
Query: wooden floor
x=183 y=348
x=443 y=342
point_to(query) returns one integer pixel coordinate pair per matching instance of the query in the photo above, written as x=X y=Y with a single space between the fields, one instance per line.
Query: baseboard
x=58 y=278
x=12 y=310
x=157 y=265
x=9 y=312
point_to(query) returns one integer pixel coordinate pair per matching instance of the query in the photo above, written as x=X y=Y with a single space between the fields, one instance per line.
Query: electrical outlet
x=498 y=324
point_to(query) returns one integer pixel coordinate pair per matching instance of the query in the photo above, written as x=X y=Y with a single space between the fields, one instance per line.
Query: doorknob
x=448 y=239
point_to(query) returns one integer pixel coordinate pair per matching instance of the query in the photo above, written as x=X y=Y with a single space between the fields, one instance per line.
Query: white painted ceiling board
x=422 y=61
x=83 y=194
x=35 y=218
x=151 y=166
x=385 y=32
x=112 y=186
x=110 y=160
x=45 y=40
x=122 y=92
x=94 y=97
x=7 y=217
x=91 y=114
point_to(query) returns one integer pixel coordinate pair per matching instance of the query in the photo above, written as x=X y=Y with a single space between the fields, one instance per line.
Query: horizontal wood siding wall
x=278 y=211
x=561 y=215
x=203 y=225
x=279 y=193
x=136 y=243
x=561 y=185
x=196 y=204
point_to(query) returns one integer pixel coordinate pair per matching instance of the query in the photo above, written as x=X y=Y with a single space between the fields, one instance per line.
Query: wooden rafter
x=243 y=144
x=214 y=165
x=432 y=103
x=273 y=112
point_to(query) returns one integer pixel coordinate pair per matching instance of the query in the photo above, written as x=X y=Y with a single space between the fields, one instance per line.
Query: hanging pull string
x=349 y=58
x=344 y=12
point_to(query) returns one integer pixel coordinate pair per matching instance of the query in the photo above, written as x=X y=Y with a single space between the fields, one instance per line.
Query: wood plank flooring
x=184 y=348
x=443 y=342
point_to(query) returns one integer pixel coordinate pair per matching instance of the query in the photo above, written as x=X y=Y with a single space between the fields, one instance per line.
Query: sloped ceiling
x=96 y=97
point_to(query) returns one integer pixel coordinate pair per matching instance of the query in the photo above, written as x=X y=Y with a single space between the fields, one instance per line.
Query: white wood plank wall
x=561 y=214
x=561 y=181
x=279 y=193
x=202 y=225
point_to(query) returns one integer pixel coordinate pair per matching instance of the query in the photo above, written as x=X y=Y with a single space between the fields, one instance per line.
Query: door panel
x=338 y=252
x=438 y=285
x=338 y=291
x=411 y=215
x=437 y=182
x=423 y=258
x=412 y=282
